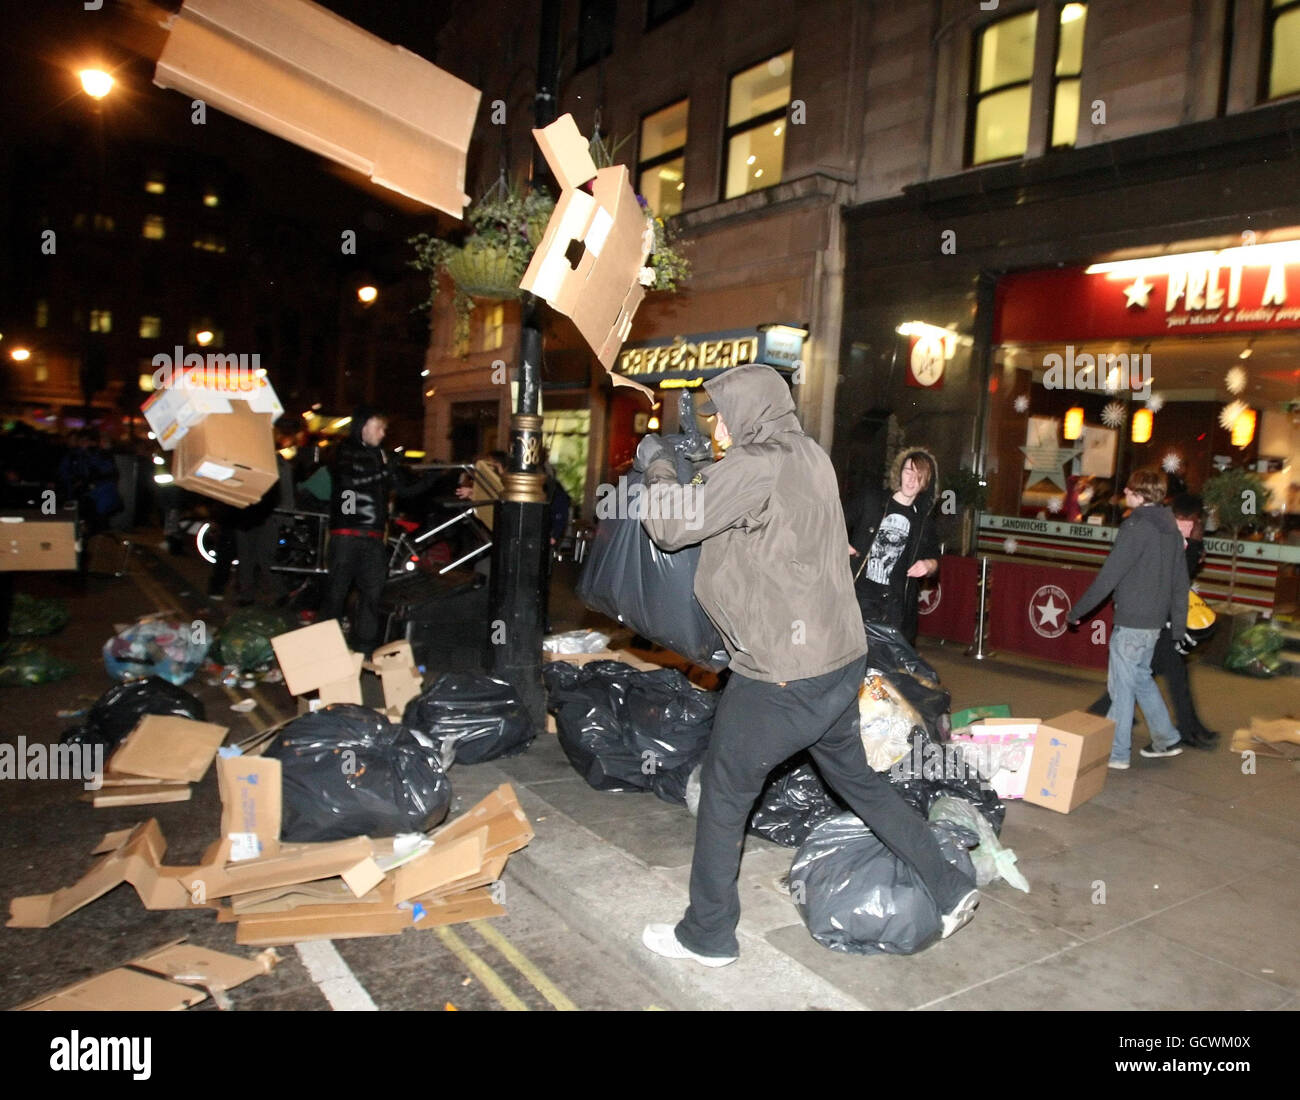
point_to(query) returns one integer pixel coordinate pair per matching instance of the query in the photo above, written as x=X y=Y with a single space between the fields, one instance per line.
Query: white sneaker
x=662 y=940
x=1153 y=753
x=961 y=914
x=1118 y=765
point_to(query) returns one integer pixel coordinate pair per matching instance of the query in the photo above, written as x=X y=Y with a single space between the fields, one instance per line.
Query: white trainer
x=1153 y=753
x=662 y=940
x=961 y=913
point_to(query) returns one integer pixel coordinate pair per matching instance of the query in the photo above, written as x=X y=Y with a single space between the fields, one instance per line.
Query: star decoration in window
x=1113 y=414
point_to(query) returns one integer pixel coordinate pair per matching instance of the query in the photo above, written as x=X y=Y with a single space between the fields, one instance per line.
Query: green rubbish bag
x=1254 y=652
x=23 y=663
x=34 y=617
x=245 y=640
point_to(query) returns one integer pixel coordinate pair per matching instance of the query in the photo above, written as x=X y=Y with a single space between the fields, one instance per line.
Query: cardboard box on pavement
x=1004 y=750
x=1069 y=762
x=313 y=657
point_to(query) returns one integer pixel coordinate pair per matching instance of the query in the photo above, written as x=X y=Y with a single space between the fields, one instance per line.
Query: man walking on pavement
x=774 y=577
x=1148 y=575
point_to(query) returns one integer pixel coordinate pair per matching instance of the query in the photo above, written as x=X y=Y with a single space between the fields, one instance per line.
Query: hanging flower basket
x=484 y=270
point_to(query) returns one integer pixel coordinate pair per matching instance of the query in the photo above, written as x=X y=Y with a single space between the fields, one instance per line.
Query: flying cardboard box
x=1069 y=762
x=304 y=74
x=314 y=656
x=228 y=456
x=206 y=389
x=33 y=541
x=588 y=264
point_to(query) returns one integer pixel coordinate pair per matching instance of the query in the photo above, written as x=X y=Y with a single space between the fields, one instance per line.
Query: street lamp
x=204 y=338
x=20 y=355
x=366 y=294
x=96 y=82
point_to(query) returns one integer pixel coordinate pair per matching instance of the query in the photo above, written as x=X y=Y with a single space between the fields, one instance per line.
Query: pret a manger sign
x=1235 y=289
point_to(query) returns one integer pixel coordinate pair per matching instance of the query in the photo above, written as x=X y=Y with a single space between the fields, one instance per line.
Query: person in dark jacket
x=773 y=576
x=363 y=476
x=1148 y=575
x=1168 y=660
x=894 y=542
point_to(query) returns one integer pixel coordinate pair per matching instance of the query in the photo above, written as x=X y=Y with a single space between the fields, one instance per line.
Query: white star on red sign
x=1139 y=293
x=1049 y=611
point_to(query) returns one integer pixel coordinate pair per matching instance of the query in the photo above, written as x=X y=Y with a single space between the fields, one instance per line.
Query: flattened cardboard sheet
x=168 y=747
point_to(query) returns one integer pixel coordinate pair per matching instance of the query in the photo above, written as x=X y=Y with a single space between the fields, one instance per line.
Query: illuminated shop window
x=1003 y=72
x=1282 y=45
x=1065 y=78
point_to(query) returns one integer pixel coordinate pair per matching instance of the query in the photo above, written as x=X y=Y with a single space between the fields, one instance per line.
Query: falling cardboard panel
x=314 y=656
x=304 y=74
x=588 y=264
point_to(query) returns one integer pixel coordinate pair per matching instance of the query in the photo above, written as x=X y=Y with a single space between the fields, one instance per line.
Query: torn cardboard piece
x=347 y=690
x=306 y=75
x=133 y=856
x=250 y=808
x=168 y=747
x=508 y=827
x=314 y=656
x=30 y=540
x=398 y=674
x=182 y=967
x=150 y=795
x=607 y=230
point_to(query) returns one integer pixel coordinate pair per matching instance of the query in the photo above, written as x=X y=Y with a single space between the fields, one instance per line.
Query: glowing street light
x=204 y=338
x=367 y=294
x=20 y=355
x=96 y=82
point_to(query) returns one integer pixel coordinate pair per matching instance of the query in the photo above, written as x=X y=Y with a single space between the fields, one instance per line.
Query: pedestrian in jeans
x=1148 y=575
x=774 y=577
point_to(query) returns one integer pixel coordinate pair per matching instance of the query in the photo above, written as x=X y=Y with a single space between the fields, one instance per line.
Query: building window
x=595 y=31
x=42 y=313
x=211 y=198
x=101 y=320
x=659 y=171
x=1002 y=77
x=40 y=369
x=1282 y=45
x=155 y=184
x=660 y=11
x=1065 y=77
x=494 y=323
x=155 y=228
x=210 y=242
x=757 y=100
x=150 y=328
x=104 y=223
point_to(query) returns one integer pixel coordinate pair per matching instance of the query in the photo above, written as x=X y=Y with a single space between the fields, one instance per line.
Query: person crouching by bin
x=774 y=578
x=894 y=540
x=363 y=476
x=1148 y=574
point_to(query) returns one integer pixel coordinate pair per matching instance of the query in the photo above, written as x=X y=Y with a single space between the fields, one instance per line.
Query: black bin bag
x=793 y=800
x=468 y=718
x=856 y=896
x=627 y=730
x=629 y=578
x=119 y=710
x=347 y=771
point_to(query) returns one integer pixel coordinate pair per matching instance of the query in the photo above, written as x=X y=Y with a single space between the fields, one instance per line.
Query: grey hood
x=754 y=403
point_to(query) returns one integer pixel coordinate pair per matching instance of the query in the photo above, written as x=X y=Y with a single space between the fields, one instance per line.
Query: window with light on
x=757 y=102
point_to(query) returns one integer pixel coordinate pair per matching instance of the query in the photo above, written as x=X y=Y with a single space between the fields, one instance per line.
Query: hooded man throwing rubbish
x=774 y=577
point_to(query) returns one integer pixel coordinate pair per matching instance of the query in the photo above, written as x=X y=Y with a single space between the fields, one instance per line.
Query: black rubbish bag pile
x=119 y=710
x=856 y=896
x=245 y=640
x=629 y=578
x=468 y=718
x=793 y=801
x=627 y=730
x=347 y=771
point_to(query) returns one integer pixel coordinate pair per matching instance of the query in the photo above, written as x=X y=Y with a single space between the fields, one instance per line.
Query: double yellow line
x=492 y=981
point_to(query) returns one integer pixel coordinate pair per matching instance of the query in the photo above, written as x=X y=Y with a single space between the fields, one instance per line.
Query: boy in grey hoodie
x=1147 y=572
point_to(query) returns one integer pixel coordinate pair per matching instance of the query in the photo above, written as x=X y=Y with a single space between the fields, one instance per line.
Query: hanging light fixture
x=1141 y=430
x=1073 y=423
x=1243 y=429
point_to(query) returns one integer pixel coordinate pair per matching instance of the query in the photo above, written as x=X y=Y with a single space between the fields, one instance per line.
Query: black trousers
x=756 y=727
x=1166 y=661
x=363 y=561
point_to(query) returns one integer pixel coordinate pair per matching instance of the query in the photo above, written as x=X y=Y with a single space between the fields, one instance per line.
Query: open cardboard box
x=588 y=264
x=228 y=456
x=199 y=392
x=1008 y=745
x=315 y=657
